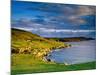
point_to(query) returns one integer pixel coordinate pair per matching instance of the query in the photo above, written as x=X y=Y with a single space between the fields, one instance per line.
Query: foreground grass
x=25 y=63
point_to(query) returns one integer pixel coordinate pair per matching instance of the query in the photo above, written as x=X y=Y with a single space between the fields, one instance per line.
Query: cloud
x=55 y=30
x=47 y=32
x=73 y=14
x=26 y=22
x=77 y=20
x=24 y=28
x=65 y=33
x=76 y=13
x=49 y=19
x=57 y=13
x=53 y=23
x=86 y=10
x=63 y=8
x=64 y=30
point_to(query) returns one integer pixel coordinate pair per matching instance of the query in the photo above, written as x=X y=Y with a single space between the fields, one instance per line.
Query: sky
x=53 y=19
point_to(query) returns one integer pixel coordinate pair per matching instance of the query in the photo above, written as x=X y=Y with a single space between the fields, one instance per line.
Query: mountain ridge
x=71 y=39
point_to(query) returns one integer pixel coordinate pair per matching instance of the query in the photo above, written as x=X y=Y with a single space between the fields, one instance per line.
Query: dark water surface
x=80 y=52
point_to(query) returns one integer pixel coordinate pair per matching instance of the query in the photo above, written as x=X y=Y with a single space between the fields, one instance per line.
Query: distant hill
x=24 y=42
x=71 y=39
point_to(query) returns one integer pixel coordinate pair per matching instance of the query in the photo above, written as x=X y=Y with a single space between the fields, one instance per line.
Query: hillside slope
x=24 y=42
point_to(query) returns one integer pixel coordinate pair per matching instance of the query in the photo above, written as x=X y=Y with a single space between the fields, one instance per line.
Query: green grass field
x=25 y=63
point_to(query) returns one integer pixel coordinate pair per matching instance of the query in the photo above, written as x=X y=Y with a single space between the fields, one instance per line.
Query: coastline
x=48 y=54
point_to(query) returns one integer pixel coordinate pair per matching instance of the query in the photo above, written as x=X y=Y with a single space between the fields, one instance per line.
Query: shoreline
x=48 y=54
x=52 y=56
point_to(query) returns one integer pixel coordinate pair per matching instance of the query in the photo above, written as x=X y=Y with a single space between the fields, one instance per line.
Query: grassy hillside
x=25 y=63
x=24 y=42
